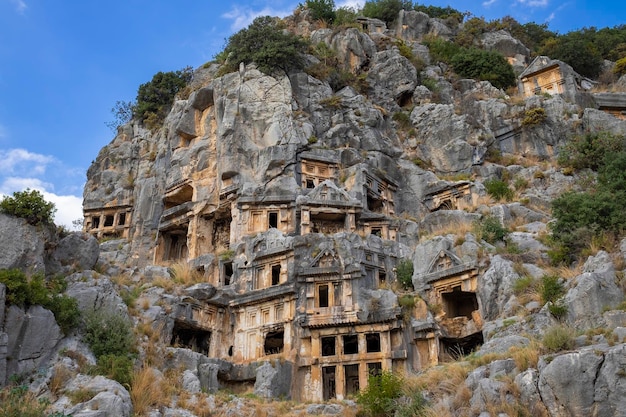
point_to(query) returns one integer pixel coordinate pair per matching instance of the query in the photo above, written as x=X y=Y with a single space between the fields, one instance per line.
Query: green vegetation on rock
x=29 y=205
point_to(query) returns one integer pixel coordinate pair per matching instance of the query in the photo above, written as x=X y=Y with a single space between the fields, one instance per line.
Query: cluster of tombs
x=298 y=278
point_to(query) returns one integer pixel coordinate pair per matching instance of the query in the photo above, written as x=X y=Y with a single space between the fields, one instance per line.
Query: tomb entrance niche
x=274 y=342
x=454 y=348
x=173 y=244
x=459 y=303
x=186 y=336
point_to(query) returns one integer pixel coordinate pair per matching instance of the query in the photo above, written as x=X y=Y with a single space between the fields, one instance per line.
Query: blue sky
x=64 y=64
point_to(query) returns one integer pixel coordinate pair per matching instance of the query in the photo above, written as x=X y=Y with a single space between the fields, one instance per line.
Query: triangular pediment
x=328 y=193
x=442 y=261
x=538 y=64
x=325 y=259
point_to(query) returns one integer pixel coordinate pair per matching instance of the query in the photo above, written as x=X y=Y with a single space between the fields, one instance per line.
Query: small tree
x=30 y=205
x=122 y=113
x=404 y=273
x=380 y=395
x=322 y=9
x=386 y=10
x=265 y=43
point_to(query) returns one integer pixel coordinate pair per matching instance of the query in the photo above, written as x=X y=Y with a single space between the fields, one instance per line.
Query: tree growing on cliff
x=386 y=10
x=265 y=43
x=322 y=9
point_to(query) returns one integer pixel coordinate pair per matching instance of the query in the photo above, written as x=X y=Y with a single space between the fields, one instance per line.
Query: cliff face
x=298 y=208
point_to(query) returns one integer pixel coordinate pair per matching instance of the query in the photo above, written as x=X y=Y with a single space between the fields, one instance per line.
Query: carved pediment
x=325 y=259
x=442 y=261
x=328 y=193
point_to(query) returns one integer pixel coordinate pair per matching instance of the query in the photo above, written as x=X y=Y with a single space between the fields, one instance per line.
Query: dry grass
x=185 y=275
x=147 y=391
x=527 y=356
x=165 y=283
x=453 y=228
x=566 y=272
x=60 y=376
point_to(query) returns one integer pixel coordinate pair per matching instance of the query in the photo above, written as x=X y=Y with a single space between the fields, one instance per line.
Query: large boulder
x=79 y=250
x=109 y=398
x=21 y=245
x=32 y=337
x=273 y=380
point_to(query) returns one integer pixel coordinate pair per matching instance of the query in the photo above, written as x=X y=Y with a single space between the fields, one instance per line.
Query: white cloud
x=534 y=3
x=69 y=207
x=243 y=16
x=20 y=6
x=356 y=4
x=488 y=3
x=16 y=160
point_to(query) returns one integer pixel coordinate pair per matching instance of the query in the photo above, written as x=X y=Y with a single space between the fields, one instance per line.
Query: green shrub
x=29 y=205
x=440 y=12
x=116 y=367
x=403 y=119
x=523 y=284
x=108 y=334
x=385 y=10
x=551 y=288
x=620 y=67
x=404 y=273
x=534 y=116
x=491 y=230
x=558 y=338
x=265 y=43
x=346 y=16
x=498 y=189
x=557 y=309
x=484 y=65
x=155 y=98
x=25 y=291
x=590 y=150
x=379 y=397
x=322 y=10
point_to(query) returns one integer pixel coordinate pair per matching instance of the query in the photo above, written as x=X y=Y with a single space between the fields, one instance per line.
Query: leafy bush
x=155 y=98
x=484 y=65
x=25 y=291
x=345 y=16
x=380 y=395
x=385 y=10
x=620 y=67
x=265 y=43
x=534 y=116
x=498 y=189
x=322 y=9
x=551 y=288
x=440 y=12
x=472 y=62
x=404 y=273
x=578 y=50
x=116 y=367
x=590 y=150
x=108 y=334
x=491 y=230
x=29 y=205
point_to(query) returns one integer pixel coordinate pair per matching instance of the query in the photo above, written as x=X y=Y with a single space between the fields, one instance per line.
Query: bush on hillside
x=404 y=273
x=385 y=10
x=29 y=205
x=155 y=98
x=484 y=65
x=24 y=291
x=322 y=10
x=265 y=43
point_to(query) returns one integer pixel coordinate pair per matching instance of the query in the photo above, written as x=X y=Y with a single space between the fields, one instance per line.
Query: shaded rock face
x=22 y=246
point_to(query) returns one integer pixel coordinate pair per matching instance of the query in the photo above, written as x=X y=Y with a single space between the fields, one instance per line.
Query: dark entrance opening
x=275 y=274
x=108 y=220
x=328 y=346
x=122 y=219
x=273 y=219
x=350 y=344
x=351 y=373
x=454 y=348
x=192 y=338
x=459 y=303
x=274 y=342
x=374 y=204
x=328 y=382
x=372 y=342
x=323 y=295
x=228 y=272
x=374 y=368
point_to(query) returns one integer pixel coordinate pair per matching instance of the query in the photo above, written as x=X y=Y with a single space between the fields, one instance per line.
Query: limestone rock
x=392 y=77
x=273 y=380
x=33 y=336
x=110 y=398
x=22 y=246
x=495 y=287
x=80 y=250
x=95 y=292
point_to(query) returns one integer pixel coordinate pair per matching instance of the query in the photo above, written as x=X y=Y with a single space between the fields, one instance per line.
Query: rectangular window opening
x=350 y=344
x=273 y=219
x=121 y=221
x=228 y=272
x=328 y=346
x=95 y=222
x=372 y=342
x=108 y=220
x=322 y=294
x=275 y=274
